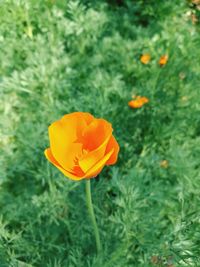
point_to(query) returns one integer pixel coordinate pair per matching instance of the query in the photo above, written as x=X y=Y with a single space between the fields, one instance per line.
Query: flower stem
x=92 y=216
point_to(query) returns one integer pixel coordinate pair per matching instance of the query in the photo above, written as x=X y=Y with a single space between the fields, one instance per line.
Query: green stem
x=91 y=212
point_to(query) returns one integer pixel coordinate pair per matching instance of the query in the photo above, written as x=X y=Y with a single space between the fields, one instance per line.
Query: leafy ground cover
x=63 y=56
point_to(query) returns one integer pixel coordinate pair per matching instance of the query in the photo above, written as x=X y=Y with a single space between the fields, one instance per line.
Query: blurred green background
x=58 y=57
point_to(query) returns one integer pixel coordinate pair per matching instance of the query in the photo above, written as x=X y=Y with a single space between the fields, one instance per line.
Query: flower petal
x=112 y=144
x=96 y=169
x=145 y=58
x=62 y=147
x=96 y=137
x=91 y=158
x=96 y=133
x=51 y=158
x=75 y=123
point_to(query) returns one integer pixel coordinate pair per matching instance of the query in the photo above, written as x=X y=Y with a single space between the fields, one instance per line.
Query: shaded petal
x=91 y=158
x=63 y=150
x=51 y=158
x=59 y=142
x=87 y=117
x=96 y=133
x=112 y=144
x=75 y=123
x=95 y=170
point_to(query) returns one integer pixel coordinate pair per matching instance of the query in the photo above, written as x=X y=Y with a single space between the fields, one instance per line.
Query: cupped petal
x=60 y=142
x=112 y=144
x=96 y=169
x=63 y=150
x=75 y=123
x=96 y=133
x=51 y=158
x=87 y=117
x=96 y=137
x=91 y=158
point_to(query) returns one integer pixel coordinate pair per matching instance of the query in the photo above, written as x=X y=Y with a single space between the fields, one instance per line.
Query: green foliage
x=62 y=56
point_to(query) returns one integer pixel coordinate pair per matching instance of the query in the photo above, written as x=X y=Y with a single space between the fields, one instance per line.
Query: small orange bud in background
x=155 y=260
x=196 y=2
x=81 y=145
x=138 y=102
x=145 y=58
x=194 y=19
x=164 y=164
x=163 y=60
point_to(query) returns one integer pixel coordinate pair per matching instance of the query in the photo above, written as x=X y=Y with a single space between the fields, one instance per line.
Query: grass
x=63 y=56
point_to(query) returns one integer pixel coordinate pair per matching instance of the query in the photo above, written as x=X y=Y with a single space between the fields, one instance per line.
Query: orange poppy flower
x=145 y=58
x=81 y=145
x=138 y=102
x=163 y=60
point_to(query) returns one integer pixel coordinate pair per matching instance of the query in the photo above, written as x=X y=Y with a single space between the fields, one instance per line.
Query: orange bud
x=194 y=18
x=81 y=145
x=155 y=259
x=138 y=102
x=163 y=60
x=196 y=2
x=164 y=164
x=145 y=58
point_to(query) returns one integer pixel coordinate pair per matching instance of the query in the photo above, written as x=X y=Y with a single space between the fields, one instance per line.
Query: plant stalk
x=92 y=215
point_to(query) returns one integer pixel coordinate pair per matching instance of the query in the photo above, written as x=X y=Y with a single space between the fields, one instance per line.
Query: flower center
x=80 y=156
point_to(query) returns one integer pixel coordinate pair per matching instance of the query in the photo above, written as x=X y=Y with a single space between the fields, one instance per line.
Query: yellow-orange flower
x=138 y=102
x=81 y=145
x=145 y=58
x=163 y=60
x=164 y=164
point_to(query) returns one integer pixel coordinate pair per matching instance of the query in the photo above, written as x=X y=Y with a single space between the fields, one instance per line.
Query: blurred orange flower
x=196 y=2
x=81 y=145
x=163 y=60
x=145 y=58
x=194 y=18
x=138 y=102
x=164 y=164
